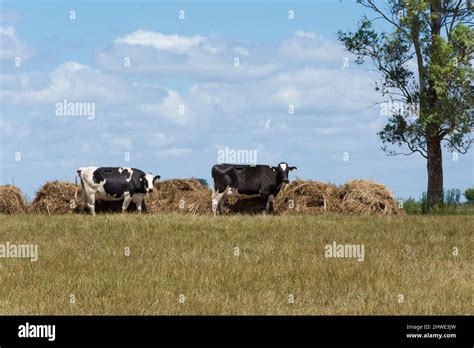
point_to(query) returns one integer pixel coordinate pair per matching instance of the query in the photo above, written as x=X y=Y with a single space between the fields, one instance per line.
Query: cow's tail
x=78 y=175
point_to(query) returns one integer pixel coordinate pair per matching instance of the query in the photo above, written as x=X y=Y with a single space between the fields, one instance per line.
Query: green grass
x=194 y=256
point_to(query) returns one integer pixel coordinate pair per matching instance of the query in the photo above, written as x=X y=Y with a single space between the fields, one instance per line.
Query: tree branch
x=464 y=149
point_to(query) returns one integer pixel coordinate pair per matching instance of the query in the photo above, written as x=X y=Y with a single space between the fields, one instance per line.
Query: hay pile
x=56 y=197
x=11 y=200
x=307 y=197
x=367 y=197
x=179 y=195
x=191 y=197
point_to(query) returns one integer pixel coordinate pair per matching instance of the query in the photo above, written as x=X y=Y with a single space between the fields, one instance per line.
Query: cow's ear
x=292 y=168
x=156 y=177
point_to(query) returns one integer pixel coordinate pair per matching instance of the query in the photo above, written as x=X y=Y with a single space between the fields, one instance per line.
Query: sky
x=169 y=86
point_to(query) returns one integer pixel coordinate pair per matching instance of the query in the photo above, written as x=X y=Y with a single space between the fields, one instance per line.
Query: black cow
x=247 y=181
x=114 y=184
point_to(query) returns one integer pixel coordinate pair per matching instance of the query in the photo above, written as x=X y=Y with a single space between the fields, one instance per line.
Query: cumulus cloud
x=203 y=58
x=215 y=59
x=181 y=95
x=172 y=107
x=308 y=47
x=305 y=34
x=10 y=46
x=171 y=43
x=74 y=82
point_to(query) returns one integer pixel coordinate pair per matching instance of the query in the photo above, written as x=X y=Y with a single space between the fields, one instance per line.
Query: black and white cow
x=246 y=181
x=114 y=184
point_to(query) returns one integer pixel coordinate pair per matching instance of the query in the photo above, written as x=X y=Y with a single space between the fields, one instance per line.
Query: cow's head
x=149 y=181
x=282 y=172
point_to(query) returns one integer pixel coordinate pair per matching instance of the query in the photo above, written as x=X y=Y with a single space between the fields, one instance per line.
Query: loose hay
x=11 y=200
x=191 y=197
x=56 y=197
x=367 y=197
x=179 y=195
x=307 y=197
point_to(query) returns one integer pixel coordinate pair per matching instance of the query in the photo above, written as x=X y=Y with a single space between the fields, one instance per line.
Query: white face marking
x=149 y=179
x=283 y=166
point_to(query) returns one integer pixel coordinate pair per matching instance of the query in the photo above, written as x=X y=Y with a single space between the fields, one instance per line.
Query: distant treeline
x=449 y=203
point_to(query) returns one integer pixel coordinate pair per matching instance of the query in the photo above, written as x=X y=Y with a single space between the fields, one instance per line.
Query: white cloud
x=305 y=34
x=241 y=51
x=74 y=82
x=201 y=58
x=306 y=47
x=10 y=46
x=171 y=43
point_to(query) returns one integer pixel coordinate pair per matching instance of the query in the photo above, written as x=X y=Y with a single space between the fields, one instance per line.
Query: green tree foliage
x=469 y=194
x=424 y=62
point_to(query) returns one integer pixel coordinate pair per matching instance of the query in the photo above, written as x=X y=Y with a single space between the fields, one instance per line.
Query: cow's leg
x=82 y=200
x=139 y=205
x=214 y=203
x=217 y=202
x=222 y=201
x=264 y=199
x=91 y=202
x=126 y=202
x=228 y=192
x=138 y=200
x=269 y=202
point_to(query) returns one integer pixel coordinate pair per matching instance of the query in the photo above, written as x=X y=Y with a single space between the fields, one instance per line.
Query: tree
x=425 y=64
x=469 y=194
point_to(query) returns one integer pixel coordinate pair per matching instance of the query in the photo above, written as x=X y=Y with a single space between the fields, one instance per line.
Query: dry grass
x=11 y=200
x=279 y=255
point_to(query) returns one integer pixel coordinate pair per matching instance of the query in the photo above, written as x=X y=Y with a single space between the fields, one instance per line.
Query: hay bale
x=179 y=195
x=11 y=200
x=56 y=197
x=367 y=197
x=307 y=197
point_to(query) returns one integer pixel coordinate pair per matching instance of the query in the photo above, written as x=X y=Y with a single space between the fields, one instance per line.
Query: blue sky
x=188 y=64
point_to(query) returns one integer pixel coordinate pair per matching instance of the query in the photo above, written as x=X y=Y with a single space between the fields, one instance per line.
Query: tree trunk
x=435 y=170
x=433 y=140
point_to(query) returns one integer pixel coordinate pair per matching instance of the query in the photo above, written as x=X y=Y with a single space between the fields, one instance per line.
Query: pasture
x=239 y=264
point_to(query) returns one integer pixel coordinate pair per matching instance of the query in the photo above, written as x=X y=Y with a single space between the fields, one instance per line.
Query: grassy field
x=190 y=265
